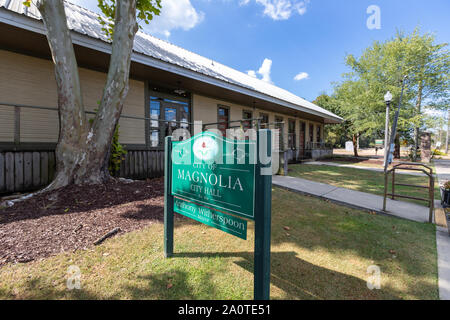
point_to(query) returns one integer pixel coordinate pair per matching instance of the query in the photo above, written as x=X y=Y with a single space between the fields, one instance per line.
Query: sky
x=298 y=45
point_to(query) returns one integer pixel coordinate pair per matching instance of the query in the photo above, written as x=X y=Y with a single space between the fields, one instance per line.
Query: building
x=167 y=83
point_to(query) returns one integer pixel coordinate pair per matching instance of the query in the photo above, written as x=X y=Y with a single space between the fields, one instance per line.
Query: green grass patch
x=364 y=180
x=320 y=250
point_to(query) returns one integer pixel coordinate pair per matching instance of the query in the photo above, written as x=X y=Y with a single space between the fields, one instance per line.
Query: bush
x=117 y=151
x=446 y=185
x=437 y=152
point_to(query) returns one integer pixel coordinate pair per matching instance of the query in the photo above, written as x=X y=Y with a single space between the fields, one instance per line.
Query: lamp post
x=387 y=99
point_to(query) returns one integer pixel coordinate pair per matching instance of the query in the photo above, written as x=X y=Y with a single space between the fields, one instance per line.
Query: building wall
x=31 y=81
x=205 y=109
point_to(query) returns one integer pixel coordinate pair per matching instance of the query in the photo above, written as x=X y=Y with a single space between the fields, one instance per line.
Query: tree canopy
x=358 y=98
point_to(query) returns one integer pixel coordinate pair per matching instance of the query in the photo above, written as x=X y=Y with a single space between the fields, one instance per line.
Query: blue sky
x=304 y=38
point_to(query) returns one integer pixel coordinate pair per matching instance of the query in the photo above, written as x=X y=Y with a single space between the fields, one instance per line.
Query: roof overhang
x=23 y=34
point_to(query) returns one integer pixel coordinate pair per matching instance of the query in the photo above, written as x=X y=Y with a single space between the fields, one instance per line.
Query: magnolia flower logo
x=205 y=148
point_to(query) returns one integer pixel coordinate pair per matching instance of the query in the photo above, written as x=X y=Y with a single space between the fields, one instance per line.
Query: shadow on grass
x=300 y=279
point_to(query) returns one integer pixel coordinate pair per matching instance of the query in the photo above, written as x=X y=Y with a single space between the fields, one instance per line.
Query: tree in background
x=358 y=98
x=82 y=152
x=336 y=134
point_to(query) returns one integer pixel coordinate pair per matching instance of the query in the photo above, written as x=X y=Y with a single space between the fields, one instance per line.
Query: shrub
x=437 y=152
x=446 y=185
x=117 y=151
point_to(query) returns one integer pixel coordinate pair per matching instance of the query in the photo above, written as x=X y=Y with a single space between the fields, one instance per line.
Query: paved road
x=442 y=170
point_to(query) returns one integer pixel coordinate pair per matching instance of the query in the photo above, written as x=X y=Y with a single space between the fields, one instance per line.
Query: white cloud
x=281 y=9
x=252 y=73
x=301 y=76
x=175 y=14
x=264 y=71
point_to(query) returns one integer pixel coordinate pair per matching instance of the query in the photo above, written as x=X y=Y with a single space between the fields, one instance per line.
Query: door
x=176 y=114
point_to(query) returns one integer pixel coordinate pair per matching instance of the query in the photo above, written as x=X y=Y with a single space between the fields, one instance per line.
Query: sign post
x=168 y=199
x=222 y=183
x=262 y=225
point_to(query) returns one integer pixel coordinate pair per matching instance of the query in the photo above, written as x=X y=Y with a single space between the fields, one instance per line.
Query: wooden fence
x=22 y=171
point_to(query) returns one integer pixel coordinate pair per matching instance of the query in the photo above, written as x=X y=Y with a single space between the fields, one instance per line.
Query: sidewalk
x=334 y=164
x=443 y=239
x=355 y=199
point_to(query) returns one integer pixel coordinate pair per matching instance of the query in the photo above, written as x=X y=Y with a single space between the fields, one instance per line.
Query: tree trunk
x=397 y=147
x=417 y=129
x=355 y=144
x=82 y=152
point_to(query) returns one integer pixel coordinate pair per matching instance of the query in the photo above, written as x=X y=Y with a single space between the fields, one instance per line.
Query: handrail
x=410 y=166
x=92 y=112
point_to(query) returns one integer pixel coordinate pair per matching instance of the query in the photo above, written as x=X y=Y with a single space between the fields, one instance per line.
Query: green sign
x=217 y=172
x=210 y=179
x=213 y=218
x=379 y=142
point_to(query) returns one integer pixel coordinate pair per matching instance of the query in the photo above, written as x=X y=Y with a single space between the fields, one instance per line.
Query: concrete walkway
x=334 y=164
x=442 y=238
x=354 y=199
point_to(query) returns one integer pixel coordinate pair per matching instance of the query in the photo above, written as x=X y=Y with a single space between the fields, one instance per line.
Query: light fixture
x=388 y=97
x=179 y=90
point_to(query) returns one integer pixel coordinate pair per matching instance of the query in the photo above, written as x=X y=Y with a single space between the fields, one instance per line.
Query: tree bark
x=397 y=147
x=72 y=118
x=82 y=152
x=417 y=129
x=355 y=144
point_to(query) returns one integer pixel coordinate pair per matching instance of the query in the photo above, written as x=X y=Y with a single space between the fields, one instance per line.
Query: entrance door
x=174 y=113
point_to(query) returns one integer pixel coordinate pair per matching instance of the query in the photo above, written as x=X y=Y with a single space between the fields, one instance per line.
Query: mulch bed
x=73 y=217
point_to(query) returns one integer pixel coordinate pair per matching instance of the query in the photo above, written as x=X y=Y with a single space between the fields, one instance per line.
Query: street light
x=387 y=99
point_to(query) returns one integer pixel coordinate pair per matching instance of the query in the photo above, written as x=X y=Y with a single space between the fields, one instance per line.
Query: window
x=247 y=124
x=311 y=133
x=264 y=120
x=166 y=114
x=318 y=139
x=223 y=119
x=291 y=134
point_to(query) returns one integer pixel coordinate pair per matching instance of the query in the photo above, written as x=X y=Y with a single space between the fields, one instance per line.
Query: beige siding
x=28 y=80
x=6 y=124
x=205 y=109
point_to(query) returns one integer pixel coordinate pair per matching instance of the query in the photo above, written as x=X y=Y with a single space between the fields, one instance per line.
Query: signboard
x=215 y=171
x=379 y=142
x=213 y=218
x=219 y=182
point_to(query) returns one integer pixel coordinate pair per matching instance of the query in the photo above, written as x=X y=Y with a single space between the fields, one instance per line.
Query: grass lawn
x=320 y=250
x=364 y=180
